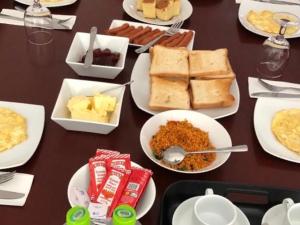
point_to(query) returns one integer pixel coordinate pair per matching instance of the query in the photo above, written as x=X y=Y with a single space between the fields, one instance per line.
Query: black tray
x=254 y=201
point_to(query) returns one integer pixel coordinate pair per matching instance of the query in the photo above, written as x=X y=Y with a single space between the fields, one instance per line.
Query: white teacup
x=212 y=209
x=292 y=212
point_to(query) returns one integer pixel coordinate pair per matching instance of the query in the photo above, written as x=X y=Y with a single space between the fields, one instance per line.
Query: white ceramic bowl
x=79 y=47
x=73 y=87
x=218 y=135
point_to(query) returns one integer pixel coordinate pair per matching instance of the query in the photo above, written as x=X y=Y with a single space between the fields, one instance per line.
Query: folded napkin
x=254 y=86
x=11 y=12
x=20 y=183
x=292 y=1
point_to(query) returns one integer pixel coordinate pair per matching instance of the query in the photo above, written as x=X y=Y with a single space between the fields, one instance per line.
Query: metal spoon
x=89 y=55
x=175 y=154
x=122 y=85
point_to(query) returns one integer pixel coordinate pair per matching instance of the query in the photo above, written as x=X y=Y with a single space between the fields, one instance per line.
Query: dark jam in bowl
x=104 y=57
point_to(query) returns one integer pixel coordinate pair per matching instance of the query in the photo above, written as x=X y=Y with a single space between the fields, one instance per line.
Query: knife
x=278 y=2
x=10 y=195
x=55 y=25
x=275 y=95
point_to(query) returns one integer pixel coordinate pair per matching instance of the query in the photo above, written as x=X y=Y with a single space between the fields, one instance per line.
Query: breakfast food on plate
x=207 y=64
x=104 y=57
x=13 y=129
x=97 y=108
x=169 y=62
x=180 y=78
x=168 y=94
x=113 y=182
x=286 y=128
x=264 y=21
x=140 y=35
x=161 y=9
x=190 y=138
x=211 y=93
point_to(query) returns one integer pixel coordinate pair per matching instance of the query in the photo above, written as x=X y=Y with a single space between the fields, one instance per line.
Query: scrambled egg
x=13 y=129
x=286 y=128
x=97 y=108
x=264 y=21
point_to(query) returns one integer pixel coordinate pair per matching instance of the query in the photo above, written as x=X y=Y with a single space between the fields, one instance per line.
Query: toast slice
x=206 y=63
x=169 y=62
x=211 y=93
x=168 y=94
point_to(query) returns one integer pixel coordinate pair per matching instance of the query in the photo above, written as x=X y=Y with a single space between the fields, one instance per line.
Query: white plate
x=118 y=23
x=184 y=215
x=275 y=215
x=218 y=135
x=140 y=90
x=264 y=110
x=21 y=153
x=50 y=4
x=186 y=11
x=81 y=179
x=247 y=5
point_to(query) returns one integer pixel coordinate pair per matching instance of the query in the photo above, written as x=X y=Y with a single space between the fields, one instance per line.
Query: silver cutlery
x=4 y=177
x=279 y=2
x=276 y=88
x=89 y=55
x=55 y=25
x=10 y=195
x=171 y=31
x=19 y=8
x=275 y=95
x=122 y=85
x=176 y=154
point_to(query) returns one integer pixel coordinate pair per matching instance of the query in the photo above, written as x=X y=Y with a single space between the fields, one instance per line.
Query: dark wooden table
x=60 y=152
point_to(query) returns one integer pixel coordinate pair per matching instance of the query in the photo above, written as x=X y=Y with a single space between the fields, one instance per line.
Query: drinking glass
x=38 y=24
x=276 y=49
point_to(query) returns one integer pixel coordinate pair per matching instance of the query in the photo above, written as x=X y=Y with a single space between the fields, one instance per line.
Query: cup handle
x=209 y=191
x=287 y=202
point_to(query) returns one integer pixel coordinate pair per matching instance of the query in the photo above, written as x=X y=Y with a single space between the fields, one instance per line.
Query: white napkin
x=293 y=1
x=11 y=12
x=20 y=183
x=254 y=86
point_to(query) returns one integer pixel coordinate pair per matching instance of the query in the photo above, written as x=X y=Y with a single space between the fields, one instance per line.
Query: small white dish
x=140 y=90
x=184 y=214
x=265 y=109
x=58 y=3
x=74 y=87
x=118 y=23
x=21 y=153
x=218 y=135
x=81 y=180
x=186 y=11
x=78 y=49
x=275 y=215
x=247 y=5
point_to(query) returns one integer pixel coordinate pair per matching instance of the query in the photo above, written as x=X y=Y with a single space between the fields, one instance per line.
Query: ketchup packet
x=106 y=152
x=135 y=187
x=121 y=161
x=112 y=189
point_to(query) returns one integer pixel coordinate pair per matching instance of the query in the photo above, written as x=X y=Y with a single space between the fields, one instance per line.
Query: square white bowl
x=79 y=47
x=73 y=87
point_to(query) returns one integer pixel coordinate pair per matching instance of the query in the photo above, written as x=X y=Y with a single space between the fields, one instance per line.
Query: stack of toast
x=197 y=79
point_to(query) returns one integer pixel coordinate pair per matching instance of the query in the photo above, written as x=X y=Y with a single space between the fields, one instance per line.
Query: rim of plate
x=50 y=4
x=141 y=214
x=183 y=116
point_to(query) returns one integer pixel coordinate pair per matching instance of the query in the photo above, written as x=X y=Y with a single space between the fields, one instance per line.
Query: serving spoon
x=175 y=154
x=89 y=55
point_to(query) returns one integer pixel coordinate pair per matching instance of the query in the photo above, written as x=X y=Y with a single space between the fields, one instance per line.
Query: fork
x=6 y=176
x=171 y=31
x=275 y=88
x=55 y=20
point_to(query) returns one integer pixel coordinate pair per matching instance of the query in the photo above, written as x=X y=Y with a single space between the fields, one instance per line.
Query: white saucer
x=184 y=214
x=274 y=215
